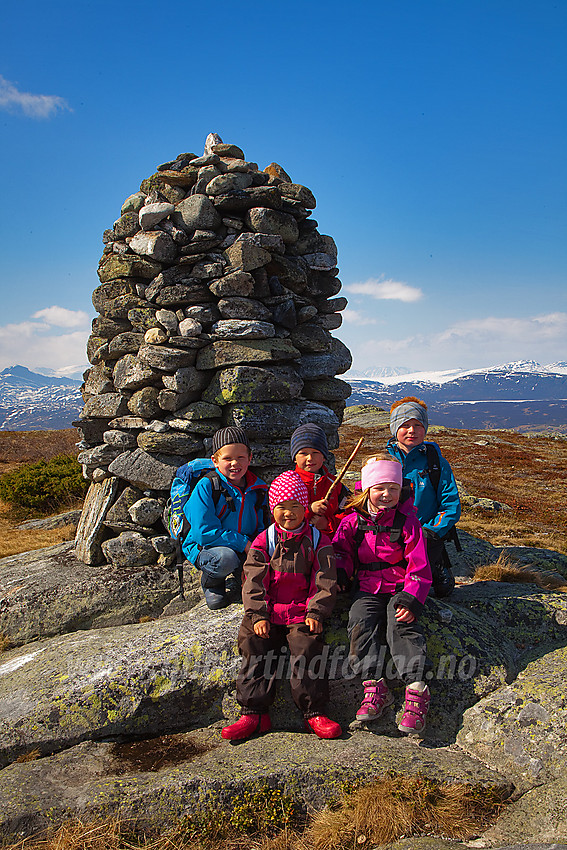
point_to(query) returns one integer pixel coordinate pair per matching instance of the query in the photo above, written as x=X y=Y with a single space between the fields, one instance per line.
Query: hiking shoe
x=214 y=592
x=323 y=726
x=376 y=698
x=246 y=726
x=234 y=585
x=415 y=709
x=443 y=580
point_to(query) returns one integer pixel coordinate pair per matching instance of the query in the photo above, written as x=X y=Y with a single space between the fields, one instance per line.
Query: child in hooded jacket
x=438 y=509
x=289 y=589
x=310 y=453
x=380 y=543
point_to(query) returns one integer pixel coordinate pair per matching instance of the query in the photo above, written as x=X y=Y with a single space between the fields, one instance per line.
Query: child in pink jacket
x=380 y=544
x=290 y=584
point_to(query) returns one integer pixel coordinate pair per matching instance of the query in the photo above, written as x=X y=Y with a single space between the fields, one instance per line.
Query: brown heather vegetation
x=17 y=448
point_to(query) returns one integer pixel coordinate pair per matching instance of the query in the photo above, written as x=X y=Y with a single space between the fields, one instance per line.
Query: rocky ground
x=114 y=692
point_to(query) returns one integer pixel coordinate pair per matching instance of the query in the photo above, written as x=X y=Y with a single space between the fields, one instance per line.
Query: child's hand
x=315 y=626
x=262 y=628
x=403 y=615
x=320 y=507
x=319 y=522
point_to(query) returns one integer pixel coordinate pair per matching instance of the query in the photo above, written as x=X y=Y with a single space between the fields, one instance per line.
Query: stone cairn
x=216 y=302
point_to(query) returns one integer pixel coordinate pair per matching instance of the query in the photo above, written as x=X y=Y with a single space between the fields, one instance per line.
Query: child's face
x=384 y=495
x=410 y=434
x=289 y=515
x=233 y=461
x=310 y=460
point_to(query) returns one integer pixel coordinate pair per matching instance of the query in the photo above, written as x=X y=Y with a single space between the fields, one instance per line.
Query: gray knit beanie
x=309 y=436
x=227 y=436
x=405 y=411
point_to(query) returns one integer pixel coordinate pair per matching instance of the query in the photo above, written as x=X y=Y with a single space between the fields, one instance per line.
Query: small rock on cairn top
x=216 y=303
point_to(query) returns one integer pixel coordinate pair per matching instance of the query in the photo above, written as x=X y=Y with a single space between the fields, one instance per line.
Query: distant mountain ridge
x=21 y=376
x=523 y=395
x=33 y=402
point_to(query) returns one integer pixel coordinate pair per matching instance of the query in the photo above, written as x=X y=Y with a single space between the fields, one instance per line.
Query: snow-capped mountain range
x=523 y=395
x=33 y=402
x=389 y=375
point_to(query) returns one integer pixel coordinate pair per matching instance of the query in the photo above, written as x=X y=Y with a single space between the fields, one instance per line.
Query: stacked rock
x=216 y=302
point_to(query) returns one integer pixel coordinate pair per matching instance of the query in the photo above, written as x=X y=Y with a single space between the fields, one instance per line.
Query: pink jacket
x=297 y=581
x=411 y=581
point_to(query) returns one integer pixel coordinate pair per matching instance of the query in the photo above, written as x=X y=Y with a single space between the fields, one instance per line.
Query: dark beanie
x=309 y=436
x=227 y=436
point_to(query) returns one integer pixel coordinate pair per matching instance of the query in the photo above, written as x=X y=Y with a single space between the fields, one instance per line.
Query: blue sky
x=432 y=133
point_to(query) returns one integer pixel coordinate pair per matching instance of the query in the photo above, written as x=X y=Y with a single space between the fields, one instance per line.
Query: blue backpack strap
x=272 y=538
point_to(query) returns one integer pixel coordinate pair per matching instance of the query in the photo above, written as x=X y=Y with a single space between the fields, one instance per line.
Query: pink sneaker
x=246 y=726
x=376 y=698
x=415 y=709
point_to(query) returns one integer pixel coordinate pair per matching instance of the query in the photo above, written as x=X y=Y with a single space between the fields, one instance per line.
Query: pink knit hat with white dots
x=288 y=487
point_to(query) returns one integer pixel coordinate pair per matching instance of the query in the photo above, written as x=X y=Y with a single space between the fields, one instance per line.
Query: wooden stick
x=344 y=469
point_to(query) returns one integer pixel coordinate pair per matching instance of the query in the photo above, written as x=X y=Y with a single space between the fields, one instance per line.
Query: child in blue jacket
x=221 y=530
x=438 y=509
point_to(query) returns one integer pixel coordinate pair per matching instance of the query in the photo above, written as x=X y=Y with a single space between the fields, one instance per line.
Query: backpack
x=272 y=537
x=183 y=485
x=434 y=472
x=174 y=518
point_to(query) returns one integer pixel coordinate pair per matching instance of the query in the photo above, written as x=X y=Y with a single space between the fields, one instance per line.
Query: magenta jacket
x=296 y=582
x=411 y=582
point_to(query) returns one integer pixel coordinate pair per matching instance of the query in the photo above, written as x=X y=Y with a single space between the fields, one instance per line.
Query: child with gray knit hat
x=310 y=452
x=435 y=491
x=227 y=508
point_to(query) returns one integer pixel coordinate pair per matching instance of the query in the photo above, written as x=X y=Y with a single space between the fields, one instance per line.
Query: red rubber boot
x=246 y=726
x=323 y=726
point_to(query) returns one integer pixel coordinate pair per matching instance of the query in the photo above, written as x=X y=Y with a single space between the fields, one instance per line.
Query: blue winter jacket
x=438 y=511
x=221 y=526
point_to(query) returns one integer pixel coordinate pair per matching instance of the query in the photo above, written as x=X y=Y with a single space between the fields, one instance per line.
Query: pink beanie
x=380 y=471
x=288 y=487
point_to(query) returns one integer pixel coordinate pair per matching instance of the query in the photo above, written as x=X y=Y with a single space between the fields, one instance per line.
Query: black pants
x=263 y=664
x=372 y=626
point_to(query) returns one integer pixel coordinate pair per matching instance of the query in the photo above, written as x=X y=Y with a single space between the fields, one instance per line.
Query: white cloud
x=32 y=105
x=479 y=342
x=41 y=344
x=356 y=318
x=525 y=330
x=391 y=290
x=62 y=318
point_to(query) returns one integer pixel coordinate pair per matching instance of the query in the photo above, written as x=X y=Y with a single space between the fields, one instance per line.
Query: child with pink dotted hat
x=289 y=589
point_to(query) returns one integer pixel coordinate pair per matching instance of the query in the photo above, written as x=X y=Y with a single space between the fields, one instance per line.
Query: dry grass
x=506 y=570
x=5 y=643
x=14 y=540
x=33 y=755
x=397 y=806
x=389 y=809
